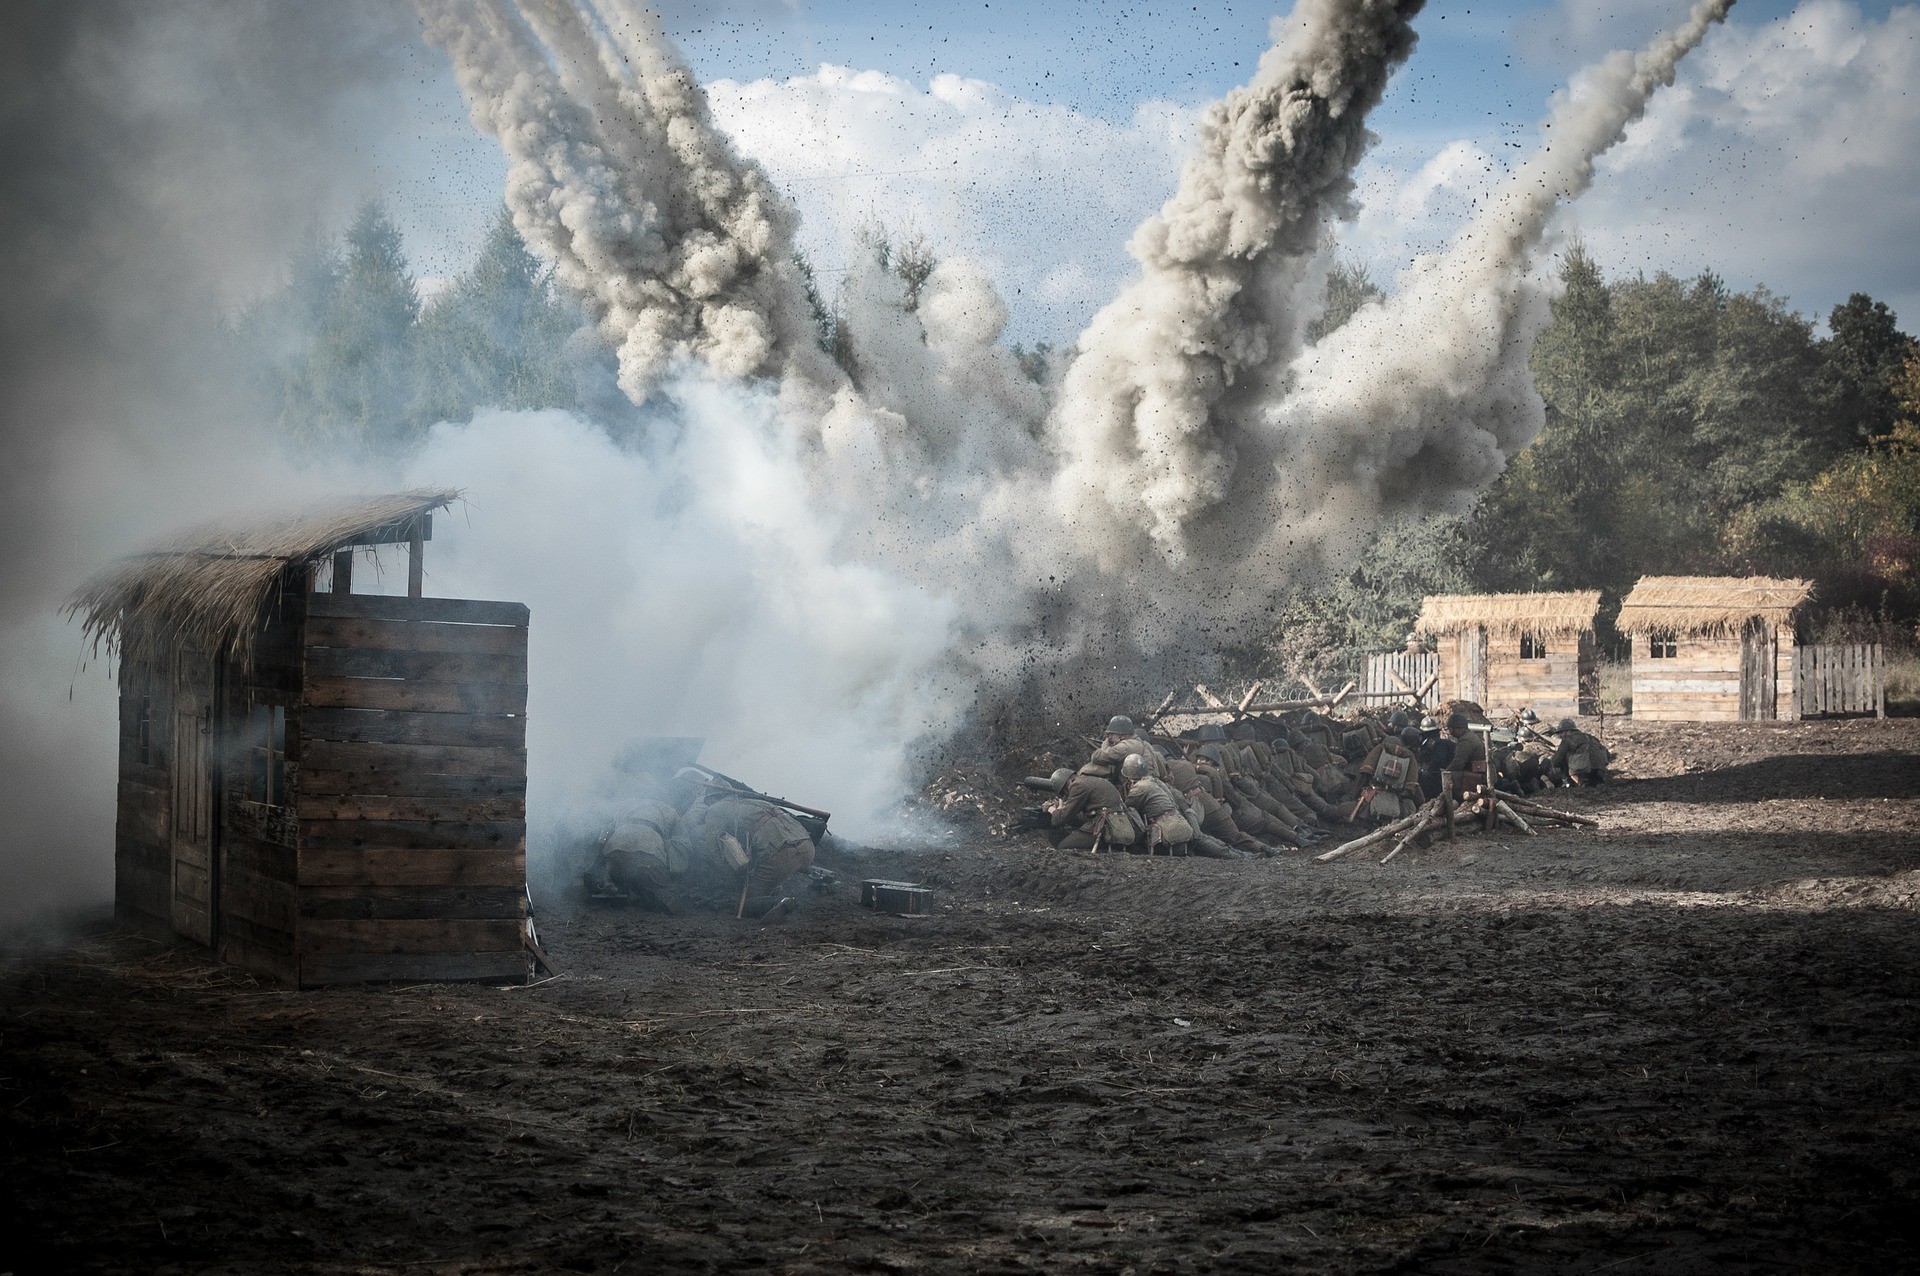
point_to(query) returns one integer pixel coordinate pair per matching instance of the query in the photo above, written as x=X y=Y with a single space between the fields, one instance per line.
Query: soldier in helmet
x=1580 y=759
x=1167 y=831
x=739 y=850
x=1434 y=752
x=1090 y=811
x=1468 y=768
x=1123 y=740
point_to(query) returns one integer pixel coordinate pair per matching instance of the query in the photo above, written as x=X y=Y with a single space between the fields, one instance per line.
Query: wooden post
x=343 y=571
x=416 y=560
x=1879 y=682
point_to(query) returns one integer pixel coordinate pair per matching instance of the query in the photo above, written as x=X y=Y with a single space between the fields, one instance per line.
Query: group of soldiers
x=694 y=841
x=1261 y=785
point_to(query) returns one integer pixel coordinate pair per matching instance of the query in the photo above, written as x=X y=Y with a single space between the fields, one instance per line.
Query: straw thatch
x=210 y=587
x=1709 y=605
x=1508 y=616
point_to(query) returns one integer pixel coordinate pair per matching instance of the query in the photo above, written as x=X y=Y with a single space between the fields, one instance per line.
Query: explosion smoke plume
x=1196 y=457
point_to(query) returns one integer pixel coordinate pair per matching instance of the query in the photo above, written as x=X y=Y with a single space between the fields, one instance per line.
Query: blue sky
x=1091 y=101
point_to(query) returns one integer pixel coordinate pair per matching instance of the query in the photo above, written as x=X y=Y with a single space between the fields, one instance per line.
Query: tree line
x=1690 y=429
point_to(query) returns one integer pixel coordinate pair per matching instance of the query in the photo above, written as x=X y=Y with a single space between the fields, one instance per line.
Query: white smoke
x=619 y=177
x=1139 y=425
x=690 y=589
x=897 y=540
x=1421 y=399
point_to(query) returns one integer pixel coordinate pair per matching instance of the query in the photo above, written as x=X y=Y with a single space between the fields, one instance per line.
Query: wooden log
x=1424 y=826
x=1567 y=817
x=1152 y=719
x=1378 y=835
x=1517 y=822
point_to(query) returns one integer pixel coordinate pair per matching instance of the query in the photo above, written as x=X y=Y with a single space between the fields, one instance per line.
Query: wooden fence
x=1850 y=679
x=1390 y=677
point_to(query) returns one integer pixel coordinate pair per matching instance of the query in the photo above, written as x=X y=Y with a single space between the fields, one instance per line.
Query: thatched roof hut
x=1503 y=616
x=208 y=587
x=1710 y=605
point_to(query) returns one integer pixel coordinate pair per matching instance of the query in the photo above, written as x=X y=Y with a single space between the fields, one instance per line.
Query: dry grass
x=1903 y=682
x=1615 y=679
x=1714 y=605
x=1508 y=616
x=207 y=588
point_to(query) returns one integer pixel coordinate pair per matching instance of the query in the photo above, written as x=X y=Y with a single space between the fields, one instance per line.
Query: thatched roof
x=1510 y=615
x=1709 y=604
x=210 y=586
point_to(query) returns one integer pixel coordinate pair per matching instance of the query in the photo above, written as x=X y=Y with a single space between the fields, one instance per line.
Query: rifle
x=741 y=786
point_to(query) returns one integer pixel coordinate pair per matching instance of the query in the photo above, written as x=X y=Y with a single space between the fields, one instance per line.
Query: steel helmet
x=1120 y=724
x=1567 y=724
x=1134 y=767
x=1398 y=719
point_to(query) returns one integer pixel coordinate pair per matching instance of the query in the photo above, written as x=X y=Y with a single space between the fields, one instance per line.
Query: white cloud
x=1044 y=197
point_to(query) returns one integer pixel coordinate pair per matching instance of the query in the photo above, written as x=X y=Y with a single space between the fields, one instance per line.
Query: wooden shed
x=1515 y=651
x=322 y=787
x=1713 y=648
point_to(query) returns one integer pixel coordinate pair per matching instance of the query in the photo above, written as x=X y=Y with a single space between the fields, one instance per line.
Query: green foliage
x=348 y=358
x=1688 y=429
x=1867 y=351
x=1349 y=287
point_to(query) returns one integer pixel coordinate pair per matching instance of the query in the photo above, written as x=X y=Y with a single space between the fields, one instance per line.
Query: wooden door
x=191 y=837
x=1757 y=678
x=1472 y=681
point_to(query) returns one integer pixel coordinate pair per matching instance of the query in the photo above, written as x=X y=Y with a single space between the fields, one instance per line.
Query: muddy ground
x=1684 y=1043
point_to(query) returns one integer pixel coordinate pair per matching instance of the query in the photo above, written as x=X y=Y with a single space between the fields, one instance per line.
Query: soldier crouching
x=739 y=852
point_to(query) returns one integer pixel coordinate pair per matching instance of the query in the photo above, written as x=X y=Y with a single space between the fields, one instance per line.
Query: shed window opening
x=1663 y=647
x=1532 y=647
x=267 y=755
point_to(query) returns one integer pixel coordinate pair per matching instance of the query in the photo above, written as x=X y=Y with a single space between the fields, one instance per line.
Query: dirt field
x=1684 y=1043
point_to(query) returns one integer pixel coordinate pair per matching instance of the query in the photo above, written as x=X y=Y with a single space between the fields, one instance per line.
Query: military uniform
x=729 y=842
x=634 y=857
x=1392 y=771
x=1159 y=806
x=1582 y=758
x=1092 y=810
x=1468 y=766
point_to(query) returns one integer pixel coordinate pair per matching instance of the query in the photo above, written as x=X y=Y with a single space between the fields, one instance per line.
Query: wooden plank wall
x=143 y=818
x=1701 y=683
x=259 y=895
x=1837 y=680
x=411 y=789
x=1550 y=686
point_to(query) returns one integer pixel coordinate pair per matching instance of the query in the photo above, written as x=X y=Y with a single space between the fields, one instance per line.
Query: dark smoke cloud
x=157 y=164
